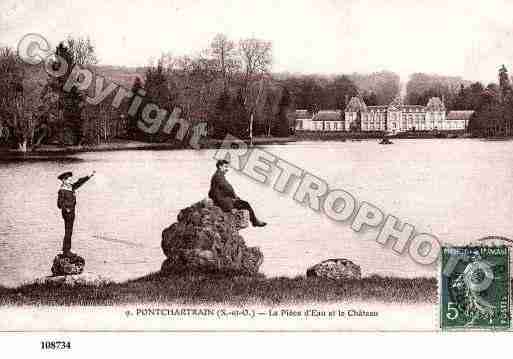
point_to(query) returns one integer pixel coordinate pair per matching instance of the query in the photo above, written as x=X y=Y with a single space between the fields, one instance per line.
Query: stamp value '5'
x=475 y=288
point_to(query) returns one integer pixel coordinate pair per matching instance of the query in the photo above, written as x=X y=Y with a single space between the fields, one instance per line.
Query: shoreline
x=55 y=152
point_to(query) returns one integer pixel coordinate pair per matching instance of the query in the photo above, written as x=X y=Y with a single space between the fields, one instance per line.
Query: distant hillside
x=378 y=88
x=420 y=84
x=385 y=85
x=121 y=75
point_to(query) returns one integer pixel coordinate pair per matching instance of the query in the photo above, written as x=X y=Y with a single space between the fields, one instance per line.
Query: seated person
x=223 y=195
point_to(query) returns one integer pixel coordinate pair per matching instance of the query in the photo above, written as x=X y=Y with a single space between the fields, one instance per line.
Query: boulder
x=75 y=279
x=339 y=269
x=71 y=264
x=207 y=239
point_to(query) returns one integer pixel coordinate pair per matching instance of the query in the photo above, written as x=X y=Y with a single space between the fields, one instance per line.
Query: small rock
x=339 y=269
x=76 y=279
x=68 y=265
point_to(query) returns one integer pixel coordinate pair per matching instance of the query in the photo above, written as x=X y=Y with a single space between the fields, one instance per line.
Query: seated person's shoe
x=259 y=224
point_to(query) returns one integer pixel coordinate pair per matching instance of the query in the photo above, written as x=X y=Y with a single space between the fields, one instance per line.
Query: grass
x=193 y=288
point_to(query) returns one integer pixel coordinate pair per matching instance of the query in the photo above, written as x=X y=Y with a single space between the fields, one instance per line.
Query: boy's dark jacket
x=66 y=199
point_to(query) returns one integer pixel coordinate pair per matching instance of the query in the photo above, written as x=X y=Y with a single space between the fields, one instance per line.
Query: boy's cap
x=65 y=175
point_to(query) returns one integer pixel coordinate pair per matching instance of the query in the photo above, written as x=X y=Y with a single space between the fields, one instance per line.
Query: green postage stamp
x=475 y=288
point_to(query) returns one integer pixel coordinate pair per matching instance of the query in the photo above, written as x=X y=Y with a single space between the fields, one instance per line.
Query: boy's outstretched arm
x=81 y=181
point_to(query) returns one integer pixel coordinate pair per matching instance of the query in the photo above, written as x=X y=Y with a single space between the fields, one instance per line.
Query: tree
x=468 y=98
x=74 y=51
x=25 y=99
x=220 y=123
x=283 y=128
x=132 y=120
x=224 y=53
x=10 y=79
x=421 y=87
x=342 y=89
x=256 y=59
x=504 y=82
x=196 y=83
x=159 y=87
x=307 y=93
x=476 y=90
x=82 y=51
x=160 y=90
x=370 y=99
x=506 y=100
x=385 y=85
x=486 y=119
x=230 y=116
x=462 y=99
x=268 y=113
x=239 y=119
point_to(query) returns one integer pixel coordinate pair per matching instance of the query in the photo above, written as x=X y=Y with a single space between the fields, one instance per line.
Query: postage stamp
x=475 y=288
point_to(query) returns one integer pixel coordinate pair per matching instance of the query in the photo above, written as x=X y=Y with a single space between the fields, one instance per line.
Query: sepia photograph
x=173 y=165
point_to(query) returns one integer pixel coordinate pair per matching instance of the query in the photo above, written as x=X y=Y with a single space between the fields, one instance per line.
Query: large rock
x=68 y=265
x=207 y=239
x=339 y=269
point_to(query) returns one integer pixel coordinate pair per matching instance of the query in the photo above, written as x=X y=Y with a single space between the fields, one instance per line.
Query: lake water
x=458 y=190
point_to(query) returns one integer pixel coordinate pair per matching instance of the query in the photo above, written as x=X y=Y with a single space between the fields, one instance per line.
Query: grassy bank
x=207 y=288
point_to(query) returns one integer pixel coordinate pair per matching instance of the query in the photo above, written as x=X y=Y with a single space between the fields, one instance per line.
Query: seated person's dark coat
x=221 y=192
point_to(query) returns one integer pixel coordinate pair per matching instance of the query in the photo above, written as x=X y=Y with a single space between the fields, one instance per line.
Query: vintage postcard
x=176 y=165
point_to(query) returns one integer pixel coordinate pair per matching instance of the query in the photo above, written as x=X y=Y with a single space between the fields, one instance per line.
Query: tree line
x=229 y=85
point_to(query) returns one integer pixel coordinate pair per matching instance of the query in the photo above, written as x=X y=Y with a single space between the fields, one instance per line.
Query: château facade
x=395 y=117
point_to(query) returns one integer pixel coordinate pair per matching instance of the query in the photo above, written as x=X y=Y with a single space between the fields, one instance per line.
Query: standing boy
x=66 y=202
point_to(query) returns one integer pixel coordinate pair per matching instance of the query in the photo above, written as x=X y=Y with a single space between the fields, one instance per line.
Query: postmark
x=475 y=288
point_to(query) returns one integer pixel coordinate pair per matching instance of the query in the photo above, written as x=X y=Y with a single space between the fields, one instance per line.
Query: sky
x=470 y=39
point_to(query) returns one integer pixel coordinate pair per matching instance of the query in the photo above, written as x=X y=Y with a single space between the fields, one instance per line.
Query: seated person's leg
x=240 y=204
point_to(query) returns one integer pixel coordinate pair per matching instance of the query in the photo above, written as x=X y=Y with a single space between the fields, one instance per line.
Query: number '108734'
x=55 y=345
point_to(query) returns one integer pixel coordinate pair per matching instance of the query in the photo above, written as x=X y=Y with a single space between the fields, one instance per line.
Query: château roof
x=356 y=104
x=435 y=104
x=328 y=115
x=397 y=102
x=412 y=108
x=377 y=108
x=459 y=115
x=303 y=114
